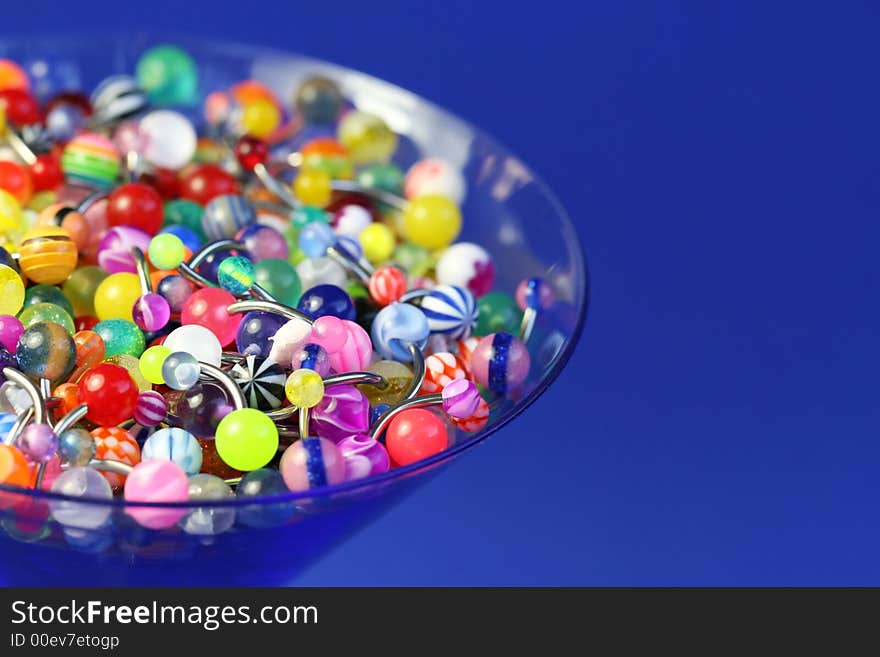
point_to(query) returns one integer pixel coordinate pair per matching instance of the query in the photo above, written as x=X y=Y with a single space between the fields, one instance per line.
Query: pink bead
x=343 y=411
x=156 y=480
x=10 y=330
x=330 y=333
x=461 y=398
x=207 y=308
x=534 y=291
x=364 y=457
x=357 y=352
x=500 y=362
x=301 y=471
x=288 y=340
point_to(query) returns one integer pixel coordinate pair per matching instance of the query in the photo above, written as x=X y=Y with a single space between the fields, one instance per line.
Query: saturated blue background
x=721 y=164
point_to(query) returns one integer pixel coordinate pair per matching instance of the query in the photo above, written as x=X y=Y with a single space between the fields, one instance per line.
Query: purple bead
x=461 y=398
x=263 y=242
x=175 y=290
x=201 y=409
x=10 y=331
x=343 y=411
x=114 y=250
x=363 y=456
x=150 y=409
x=37 y=442
x=151 y=312
x=255 y=331
x=312 y=357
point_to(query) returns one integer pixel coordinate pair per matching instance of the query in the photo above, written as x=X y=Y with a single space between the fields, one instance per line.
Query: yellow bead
x=12 y=223
x=304 y=388
x=11 y=291
x=431 y=221
x=312 y=187
x=116 y=295
x=260 y=117
x=47 y=255
x=378 y=242
x=150 y=363
x=367 y=137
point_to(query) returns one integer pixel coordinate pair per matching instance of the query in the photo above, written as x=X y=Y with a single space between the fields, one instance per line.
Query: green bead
x=307 y=214
x=168 y=75
x=46 y=312
x=80 y=288
x=166 y=251
x=237 y=274
x=184 y=212
x=246 y=439
x=386 y=177
x=357 y=291
x=121 y=337
x=415 y=260
x=47 y=294
x=498 y=313
x=279 y=278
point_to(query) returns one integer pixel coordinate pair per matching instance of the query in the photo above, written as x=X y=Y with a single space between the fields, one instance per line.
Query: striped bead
x=441 y=369
x=150 y=409
x=117 y=97
x=450 y=310
x=7 y=420
x=225 y=215
x=90 y=159
x=177 y=445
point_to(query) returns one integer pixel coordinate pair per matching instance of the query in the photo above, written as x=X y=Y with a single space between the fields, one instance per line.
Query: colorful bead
x=246 y=439
x=151 y=312
x=314 y=357
x=150 y=409
x=261 y=380
x=156 y=481
x=312 y=463
x=500 y=362
x=37 y=442
x=498 y=311
x=363 y=456
x=46 y=351
x=46 y=312
x=110 y=393
x=225 y=215
x=208 y=520
x=206 y=182
x=434 y=176
x=207 y=308
x=121 y=336
x=320 y=271
x=116 y=296
x=168 y=75
x=151 y=362
x=181 y=370
x=115 y=247
x=534 y=293
x=11 y=329
x=47 y=255
x=461 y=398
x=263 y=483
x=312 y=187
x=255 y=333
x=398 y=377
x=387 y=284
x=11 y=291
x=343 y=411
x=415 y=434
x=90 y=159
x=318 y=100
x=201 y=409
x=47 y=294
x=441 y=369
x=280 y=279
x=324 y=300
x=175 y=445
x=135 y=205
x=236 y=275
x=116 y=444
x=13 y=467
x=466 y=265
x=76 y=447
x=397 y=326
x=377 y=241
x=450 y=310
x=367 y=137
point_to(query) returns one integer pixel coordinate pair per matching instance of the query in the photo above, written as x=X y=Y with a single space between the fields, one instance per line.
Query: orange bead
x=59 y=214
x=116 y=444
x=251 y=90
x=12 y=76
x=68 y=394
x=13 y=467
x=47 y=255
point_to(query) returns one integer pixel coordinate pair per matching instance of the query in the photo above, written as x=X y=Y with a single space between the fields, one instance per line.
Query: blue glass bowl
x=508 y=210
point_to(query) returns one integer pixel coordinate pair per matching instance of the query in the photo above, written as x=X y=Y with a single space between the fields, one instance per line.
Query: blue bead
x=315 y=238
x=324 y=300
x=260 y=484
x=395 y=327
x=176 y=445
x=255 y=331
x=377 y=411
x=188 y=236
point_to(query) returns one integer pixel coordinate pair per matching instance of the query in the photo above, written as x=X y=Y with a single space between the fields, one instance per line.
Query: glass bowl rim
x=569 y=234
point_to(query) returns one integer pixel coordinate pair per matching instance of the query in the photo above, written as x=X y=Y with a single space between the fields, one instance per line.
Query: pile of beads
x=239 y=301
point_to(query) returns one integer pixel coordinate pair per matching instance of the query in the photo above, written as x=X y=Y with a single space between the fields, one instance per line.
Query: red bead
x=70 y=98
x=250 y=151
x=21 y=108
x=164 y=181
x=110 y=393
x=137 y=205
x=387 y=284
x=46 y=172
x=207 y=308
x=85 y=323
x=339 y=201
x=16 y=180
x=206 y=182
x=414 y=435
